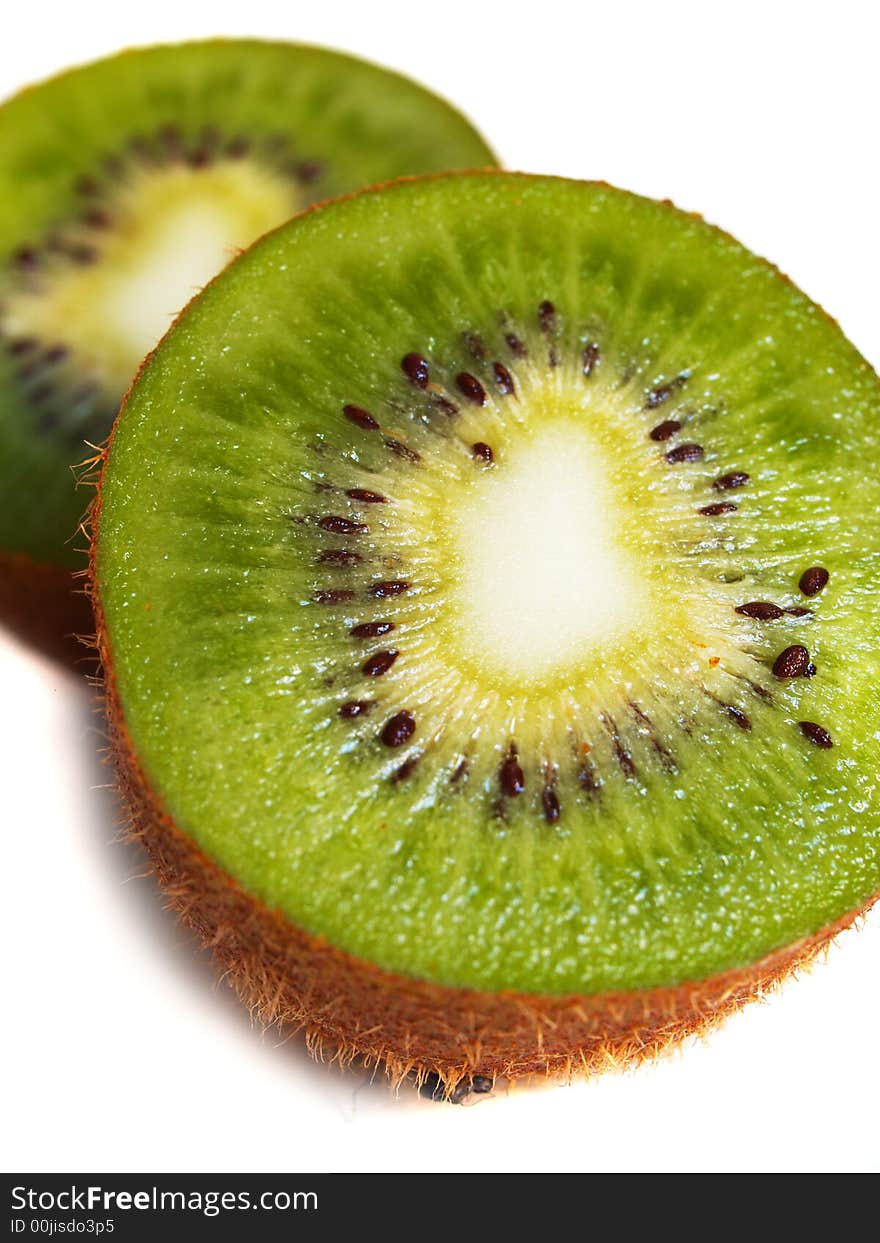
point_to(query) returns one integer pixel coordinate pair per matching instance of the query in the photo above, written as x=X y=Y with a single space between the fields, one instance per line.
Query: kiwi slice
x=127 y=184
x=488 y=595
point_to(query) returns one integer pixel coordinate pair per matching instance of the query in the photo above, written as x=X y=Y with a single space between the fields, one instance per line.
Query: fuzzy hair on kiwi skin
x=350 y=1009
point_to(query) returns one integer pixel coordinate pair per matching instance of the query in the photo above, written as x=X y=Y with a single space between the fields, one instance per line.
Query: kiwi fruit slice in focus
x=487 y=578
x=129 y=183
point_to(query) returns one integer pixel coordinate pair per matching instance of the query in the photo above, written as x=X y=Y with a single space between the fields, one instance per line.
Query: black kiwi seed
x=733 y=479
x=718 y=508
x=503 y=379
x=389 y=587
x=810 y=671
x=515 y=345
x=756 y=688
x=590 y=358
x=26 y=258
x=399 y=729
x=365 y=495
x=356 y=707
x=22 y=345
x=97 y=218
x=664 y=430
x=738 y=717
x=199 y=158
x=309 y=171
x=380 y=663
x=511 y=776
x=170 y=136
x=587 y=778
x=471 y=388
x=623 y=757
x=761 y=609
x=360 y=417
x=550 y=805
x=663 y=392
x=816 y=734
x=657 y=396
x=333 y=597
x=547 y=316
x=416 y=369
x=482 y=452
x=684 y=453
x=371 y=630
x=667 y=759
x=797 y=611
x=337 y=525
x=401 y=450
x=814 y=580
x=406 y=769
x=793 y=662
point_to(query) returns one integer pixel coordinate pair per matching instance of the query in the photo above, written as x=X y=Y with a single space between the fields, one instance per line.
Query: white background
x=121 y=1052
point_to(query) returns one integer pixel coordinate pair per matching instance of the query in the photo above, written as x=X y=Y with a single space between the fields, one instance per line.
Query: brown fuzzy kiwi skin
x=47 y=608
x=353 y=1011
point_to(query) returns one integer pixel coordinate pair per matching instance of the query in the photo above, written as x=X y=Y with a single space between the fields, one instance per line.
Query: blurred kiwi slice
x=488 y=596
x=127 y=184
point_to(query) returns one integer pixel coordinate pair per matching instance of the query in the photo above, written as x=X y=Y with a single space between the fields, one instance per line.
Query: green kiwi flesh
x=126 y=184
x=488 y=576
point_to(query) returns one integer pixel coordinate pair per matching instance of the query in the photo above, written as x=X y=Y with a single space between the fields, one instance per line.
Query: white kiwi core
x=542 y=576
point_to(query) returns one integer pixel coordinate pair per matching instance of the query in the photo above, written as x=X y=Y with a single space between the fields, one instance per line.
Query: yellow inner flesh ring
x=547 y=587
x=169 y=231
